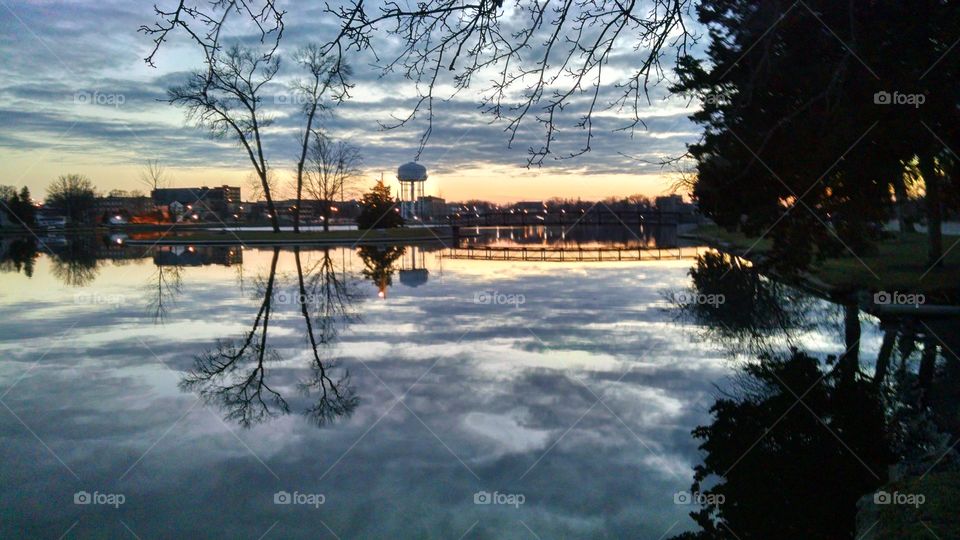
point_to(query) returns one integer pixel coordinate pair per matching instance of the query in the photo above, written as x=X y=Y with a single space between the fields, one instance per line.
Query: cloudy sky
x=77 y=97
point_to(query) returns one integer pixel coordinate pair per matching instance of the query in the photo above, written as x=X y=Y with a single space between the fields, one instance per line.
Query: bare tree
x=154 y=175
x=542 y=57
x=226 y=102
x=333 y=166
x=311 y=91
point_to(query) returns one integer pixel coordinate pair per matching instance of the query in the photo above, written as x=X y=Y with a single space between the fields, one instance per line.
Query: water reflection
x=235 y=374
x=449 y=396
x=741 y=308
x=800 y=443
x=379 y=265
x=75 y=263
x=161 y=291
x=574 y=235
x=18 y=254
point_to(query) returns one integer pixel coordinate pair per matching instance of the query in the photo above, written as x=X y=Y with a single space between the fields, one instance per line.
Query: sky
x=77 y=97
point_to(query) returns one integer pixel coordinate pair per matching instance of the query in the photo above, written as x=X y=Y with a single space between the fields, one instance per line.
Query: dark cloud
x=73 y=80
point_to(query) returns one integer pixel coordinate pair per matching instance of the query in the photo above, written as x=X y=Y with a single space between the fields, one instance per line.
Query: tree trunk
x=274 y=219
x=326 y=216
x=900 y=190
x=934 y=216
x=296 y=209
x=928 y=363
x=883 y=359
x=849 y=362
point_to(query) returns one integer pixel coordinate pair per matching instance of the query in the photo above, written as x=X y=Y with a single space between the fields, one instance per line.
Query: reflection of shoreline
x=197 y=255
x=574 y=235
x=893 y=423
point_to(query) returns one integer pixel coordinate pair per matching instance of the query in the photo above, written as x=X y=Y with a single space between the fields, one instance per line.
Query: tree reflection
x=790 y=454
x=18 y=254
x=234 y=375
x=378 y=265
x=75 y=263
x=748 y=308
x=331 y=295
x=798 y=441
x=163 y=288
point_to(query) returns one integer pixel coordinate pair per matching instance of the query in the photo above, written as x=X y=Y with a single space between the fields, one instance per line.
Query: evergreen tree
x=804 y=137
x=378 y=210
x=25 y=209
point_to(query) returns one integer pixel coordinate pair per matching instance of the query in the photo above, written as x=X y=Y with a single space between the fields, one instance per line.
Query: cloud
x=60 y=55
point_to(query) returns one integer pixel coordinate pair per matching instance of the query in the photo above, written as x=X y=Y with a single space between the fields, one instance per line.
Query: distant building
x=115 y=209
x=202 y=203
x=432 y=207
x=48 y=218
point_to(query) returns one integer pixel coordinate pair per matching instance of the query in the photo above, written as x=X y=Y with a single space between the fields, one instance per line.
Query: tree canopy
x=812 y=111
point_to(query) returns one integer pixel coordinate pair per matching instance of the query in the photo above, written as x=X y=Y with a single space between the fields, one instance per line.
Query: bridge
x=595 y=217
x=572 y=254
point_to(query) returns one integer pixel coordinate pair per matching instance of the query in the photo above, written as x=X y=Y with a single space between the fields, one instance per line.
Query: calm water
x=184 y=390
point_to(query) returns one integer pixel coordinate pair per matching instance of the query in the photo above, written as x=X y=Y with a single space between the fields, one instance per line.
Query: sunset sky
x=77 y=97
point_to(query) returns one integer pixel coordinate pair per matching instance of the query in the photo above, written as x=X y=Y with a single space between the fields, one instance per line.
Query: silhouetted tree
x=542 y=58
x=226 y=100
x=808 y=153
x=378 y=210
x=233 y=375
x=746 y=309
x=76 y=265
x=322 y=76
x=18 y=254
x=333 y=166
x=74 y=195
x=331 y=296
x=163 y=288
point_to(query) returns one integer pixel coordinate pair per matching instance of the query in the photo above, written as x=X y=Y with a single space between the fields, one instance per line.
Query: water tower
x=412 y=177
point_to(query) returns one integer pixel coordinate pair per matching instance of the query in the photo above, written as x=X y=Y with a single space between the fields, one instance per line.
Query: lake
x=394 y=391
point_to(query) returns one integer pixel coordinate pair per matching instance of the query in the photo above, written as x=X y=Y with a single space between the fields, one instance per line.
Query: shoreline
x=896 y=267
x=312 y=238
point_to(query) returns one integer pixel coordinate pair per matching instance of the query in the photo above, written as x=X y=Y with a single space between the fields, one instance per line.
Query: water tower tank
x=412 y=172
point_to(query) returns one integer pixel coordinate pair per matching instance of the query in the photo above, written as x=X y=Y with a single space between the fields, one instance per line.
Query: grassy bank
x=289 y=237
x=935 y=518
x=898 y=264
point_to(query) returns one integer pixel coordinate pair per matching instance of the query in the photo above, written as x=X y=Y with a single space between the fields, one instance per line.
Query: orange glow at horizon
x=497 y=184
